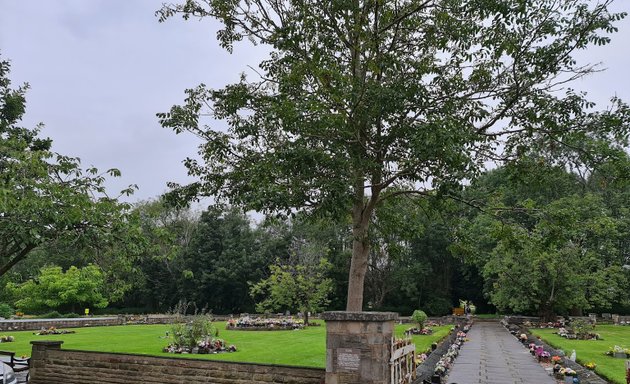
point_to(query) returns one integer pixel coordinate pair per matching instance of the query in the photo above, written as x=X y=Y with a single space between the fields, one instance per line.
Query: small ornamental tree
x=420 y=318
x=297 y=288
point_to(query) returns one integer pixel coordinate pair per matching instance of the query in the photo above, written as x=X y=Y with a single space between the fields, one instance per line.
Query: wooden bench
x=18 y=365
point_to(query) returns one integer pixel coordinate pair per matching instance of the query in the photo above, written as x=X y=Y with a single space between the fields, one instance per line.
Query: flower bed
x=437 y=360
x=206 y=346
x=564 y=368
x=247 y=323
x=197 y=336
x=53 y=331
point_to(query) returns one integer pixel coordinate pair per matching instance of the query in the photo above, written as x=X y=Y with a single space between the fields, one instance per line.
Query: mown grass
x=306 y=348
x=593 y=350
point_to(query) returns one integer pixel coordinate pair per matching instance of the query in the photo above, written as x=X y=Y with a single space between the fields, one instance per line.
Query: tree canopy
x=55 y=289
x=548 y=242
x=361 y=101
x=46 y=197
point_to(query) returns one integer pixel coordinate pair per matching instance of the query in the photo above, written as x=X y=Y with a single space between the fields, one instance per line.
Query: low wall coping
x=359 y=316
x=47 y=343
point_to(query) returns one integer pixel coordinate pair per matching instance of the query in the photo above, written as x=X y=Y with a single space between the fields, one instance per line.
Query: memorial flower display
x=6 y=339
x=53 y=331
x=617 y=351
x=590 y=365
x=444 y=364
x=251 y=323
x=197 y=336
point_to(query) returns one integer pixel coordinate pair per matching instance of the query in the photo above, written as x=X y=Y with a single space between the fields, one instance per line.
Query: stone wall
x=79 y=322
x=52 y=365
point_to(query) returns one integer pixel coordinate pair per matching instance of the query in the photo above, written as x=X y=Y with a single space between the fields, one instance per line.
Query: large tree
x=568 y=261
x=45 y=197
x=361 y=101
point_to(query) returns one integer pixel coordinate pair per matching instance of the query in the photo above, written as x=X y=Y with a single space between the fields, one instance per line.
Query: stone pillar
x=38 y=354
x=358 y=347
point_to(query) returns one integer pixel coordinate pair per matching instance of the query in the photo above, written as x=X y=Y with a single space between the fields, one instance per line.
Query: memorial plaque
x=348 y=359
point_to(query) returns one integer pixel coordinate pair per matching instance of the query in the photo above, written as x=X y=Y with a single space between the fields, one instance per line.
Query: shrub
x=581 y=328
x=50 y=315
x=192 y=333
x=70 y=315
x=438 y=306
x=419 y=317
x=6 y=310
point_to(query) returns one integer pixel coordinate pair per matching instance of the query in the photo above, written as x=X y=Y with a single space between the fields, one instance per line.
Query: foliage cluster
x=55 y=289
x=194 y=331
x=419 y=317
x=361 y=102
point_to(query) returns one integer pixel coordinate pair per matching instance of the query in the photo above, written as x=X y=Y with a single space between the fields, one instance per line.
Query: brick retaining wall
x=52 y=365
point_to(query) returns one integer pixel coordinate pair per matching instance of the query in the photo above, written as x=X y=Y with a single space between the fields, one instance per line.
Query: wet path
x=494 y=356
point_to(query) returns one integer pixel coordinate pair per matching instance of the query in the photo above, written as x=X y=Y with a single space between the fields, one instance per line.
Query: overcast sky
x=100 y=70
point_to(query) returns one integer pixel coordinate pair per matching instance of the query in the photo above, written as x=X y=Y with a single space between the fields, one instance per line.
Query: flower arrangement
x=247 y=322
x=544 y=356
x=617 y=351
x=568 y=372
x=523 y=338
x=557 y=368
x=444 y=364
x=420 y=358
x=53 y=331
x=6 y=339
x=590 y=365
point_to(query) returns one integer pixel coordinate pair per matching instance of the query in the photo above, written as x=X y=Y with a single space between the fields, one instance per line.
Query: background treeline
x=527 y=238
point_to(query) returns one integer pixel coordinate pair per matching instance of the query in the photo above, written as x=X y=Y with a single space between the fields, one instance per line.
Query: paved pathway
x=494 y=356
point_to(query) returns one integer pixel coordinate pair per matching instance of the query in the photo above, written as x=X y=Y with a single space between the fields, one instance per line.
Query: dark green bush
x=6 y=310
x=50 y=315
x=438 y=306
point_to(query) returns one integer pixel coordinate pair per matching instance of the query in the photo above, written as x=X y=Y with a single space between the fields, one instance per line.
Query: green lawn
x=593 y=350
x=305 y=348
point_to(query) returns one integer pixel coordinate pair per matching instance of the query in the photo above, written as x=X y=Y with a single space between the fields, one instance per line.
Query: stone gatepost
x=39 y=352
x=358 y=347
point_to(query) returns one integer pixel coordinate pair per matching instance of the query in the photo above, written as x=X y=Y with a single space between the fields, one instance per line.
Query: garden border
x=586 y=376
x=426 y=369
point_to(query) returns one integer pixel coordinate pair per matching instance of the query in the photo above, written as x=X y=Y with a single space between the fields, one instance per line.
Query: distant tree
x=220 y=260
x=362 y=101
x=568 y=261
x=46 y=198
x=56 y=289
x=168 y=231
x=301 y=288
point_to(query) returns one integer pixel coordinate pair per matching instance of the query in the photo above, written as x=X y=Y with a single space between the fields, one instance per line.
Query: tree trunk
x=360 y=252
x=358 y=268
x=305 y=318
x=547 y=314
